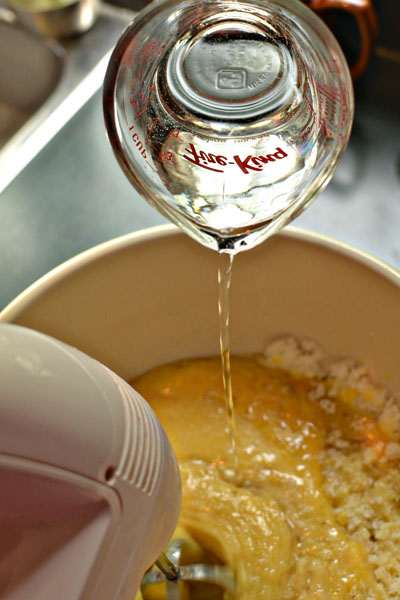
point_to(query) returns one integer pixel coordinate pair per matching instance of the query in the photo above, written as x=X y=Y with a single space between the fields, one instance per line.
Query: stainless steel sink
x=31 y=69
x=43 y=83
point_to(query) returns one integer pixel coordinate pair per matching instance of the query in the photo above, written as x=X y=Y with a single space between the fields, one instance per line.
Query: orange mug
x=365 y=16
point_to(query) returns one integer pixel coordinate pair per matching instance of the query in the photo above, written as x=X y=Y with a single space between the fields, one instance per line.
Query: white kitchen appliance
x=89 y=485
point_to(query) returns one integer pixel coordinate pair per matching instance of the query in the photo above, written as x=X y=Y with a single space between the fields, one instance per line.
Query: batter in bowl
x=307 y=508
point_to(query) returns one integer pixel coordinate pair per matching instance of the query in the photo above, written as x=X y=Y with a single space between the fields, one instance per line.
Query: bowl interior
x=151 y=298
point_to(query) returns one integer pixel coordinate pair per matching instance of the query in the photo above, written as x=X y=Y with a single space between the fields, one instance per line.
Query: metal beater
x=203 y=580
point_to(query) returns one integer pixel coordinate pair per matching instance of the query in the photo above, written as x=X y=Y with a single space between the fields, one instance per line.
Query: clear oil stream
x=224 y=282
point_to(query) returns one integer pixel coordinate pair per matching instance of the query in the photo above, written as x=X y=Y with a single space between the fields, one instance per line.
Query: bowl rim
x=46 y=281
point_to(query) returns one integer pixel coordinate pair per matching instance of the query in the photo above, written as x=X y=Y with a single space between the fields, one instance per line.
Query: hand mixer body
x=90 y=488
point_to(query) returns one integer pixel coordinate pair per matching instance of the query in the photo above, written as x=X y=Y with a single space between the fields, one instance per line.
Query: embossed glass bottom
x=234 y=69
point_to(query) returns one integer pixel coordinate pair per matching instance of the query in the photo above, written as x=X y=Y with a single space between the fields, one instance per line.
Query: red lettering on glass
x=200 y=159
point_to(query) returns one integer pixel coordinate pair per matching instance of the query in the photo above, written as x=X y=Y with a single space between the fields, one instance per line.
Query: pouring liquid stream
x=224 y=282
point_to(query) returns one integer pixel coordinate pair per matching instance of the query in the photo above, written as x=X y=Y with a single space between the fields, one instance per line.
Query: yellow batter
x=266 y=512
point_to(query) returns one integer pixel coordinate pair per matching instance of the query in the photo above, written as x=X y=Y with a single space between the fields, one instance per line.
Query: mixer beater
x=192 y=581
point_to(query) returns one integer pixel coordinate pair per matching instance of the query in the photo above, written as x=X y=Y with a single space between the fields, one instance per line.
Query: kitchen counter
x=73 y=194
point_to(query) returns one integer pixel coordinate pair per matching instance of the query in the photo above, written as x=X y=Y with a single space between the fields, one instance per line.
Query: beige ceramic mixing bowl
x=151 y=297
